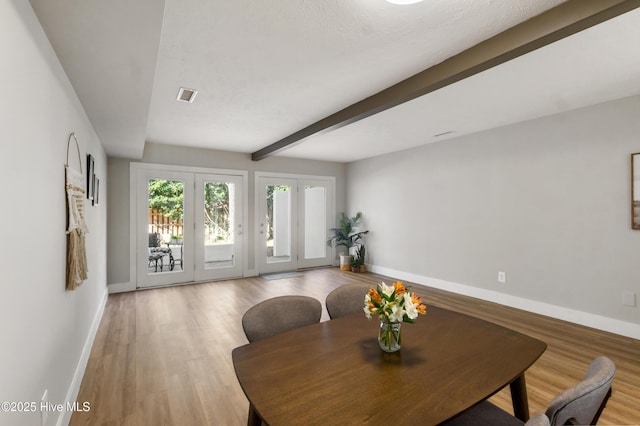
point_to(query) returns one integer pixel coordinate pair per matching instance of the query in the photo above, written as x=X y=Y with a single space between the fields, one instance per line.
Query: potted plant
x=360 y=253
x=358 y=261
x=355 y=264
x=346 y=235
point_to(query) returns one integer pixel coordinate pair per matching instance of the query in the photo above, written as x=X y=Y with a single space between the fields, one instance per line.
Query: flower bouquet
x=394 y=305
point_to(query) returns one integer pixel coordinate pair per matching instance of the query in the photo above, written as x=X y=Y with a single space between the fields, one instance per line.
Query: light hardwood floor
x=163 y=356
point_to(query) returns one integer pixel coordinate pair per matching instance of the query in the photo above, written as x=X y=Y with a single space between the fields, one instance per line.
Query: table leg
x=254 y=419
x=519 y=398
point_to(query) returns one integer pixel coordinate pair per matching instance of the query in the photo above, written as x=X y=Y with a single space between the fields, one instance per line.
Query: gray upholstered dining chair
x=581 y=404
x=347 y=299
x=280 y=314
x=277 y=315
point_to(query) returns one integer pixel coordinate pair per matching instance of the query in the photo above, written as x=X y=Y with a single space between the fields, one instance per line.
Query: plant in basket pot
x=394 y=305
x=358 y=261
x=347 y=235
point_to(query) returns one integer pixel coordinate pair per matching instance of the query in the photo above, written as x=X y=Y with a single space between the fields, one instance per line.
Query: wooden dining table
x=334 y=372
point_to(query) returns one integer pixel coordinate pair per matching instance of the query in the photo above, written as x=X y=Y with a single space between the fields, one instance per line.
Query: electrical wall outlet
x=629 y=299
x=44 y=413
x=502 y=277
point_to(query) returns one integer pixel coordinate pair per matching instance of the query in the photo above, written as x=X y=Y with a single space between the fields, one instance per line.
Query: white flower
x=365 y=308
x=368 y=309
x=367 y=313
x=410 y=308
x=396 y=314
x=387 y=289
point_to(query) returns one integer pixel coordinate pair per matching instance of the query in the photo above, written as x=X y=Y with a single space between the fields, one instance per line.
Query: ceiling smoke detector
x=187 y=95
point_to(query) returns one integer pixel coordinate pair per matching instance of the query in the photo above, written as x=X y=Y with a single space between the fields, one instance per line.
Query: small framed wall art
x=96 y=191
x=635 y=191
x=90 y=176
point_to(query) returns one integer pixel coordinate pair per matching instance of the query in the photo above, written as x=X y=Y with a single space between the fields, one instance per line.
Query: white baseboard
x=131 y=286
x=599 y=322
x=121 y=287
x=74 y=388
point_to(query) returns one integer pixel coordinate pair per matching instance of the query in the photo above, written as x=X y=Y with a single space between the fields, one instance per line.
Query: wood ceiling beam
x=555 y=24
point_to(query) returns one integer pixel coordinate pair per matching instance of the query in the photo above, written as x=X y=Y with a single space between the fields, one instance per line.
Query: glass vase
x=389 y=337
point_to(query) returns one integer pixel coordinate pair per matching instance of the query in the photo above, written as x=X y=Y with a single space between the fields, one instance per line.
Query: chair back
x=279 y=314
x=583 y=403
x=347 y=299
x=154 y=239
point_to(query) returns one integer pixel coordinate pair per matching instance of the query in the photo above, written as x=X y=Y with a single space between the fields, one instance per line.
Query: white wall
x=547 y=201
x=46 y=331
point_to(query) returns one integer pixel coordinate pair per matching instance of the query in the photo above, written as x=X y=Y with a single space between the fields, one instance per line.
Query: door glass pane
x=315 y=222
x=166 y=214
x=278 y=223
x=219 y=224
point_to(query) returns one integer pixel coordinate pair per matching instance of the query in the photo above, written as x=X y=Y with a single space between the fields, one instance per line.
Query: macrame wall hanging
x=77 y=228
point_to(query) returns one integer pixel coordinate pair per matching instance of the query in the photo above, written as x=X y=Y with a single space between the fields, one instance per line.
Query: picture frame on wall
x=635 y=191
x=96 y=193
x=90 y=176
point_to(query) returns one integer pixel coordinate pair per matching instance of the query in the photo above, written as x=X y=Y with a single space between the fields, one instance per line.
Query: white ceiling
x=265 y=69
x=108 y=50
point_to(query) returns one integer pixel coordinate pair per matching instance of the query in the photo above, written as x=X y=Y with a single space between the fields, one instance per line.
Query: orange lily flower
x=400 y=288
x=375 y=296
x=415 y=299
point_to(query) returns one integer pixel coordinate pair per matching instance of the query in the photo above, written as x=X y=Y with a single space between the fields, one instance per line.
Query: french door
x=189 y=226
x=219 y=227
x=293 y=221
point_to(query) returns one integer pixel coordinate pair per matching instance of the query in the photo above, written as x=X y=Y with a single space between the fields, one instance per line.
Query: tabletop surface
x=335 y=370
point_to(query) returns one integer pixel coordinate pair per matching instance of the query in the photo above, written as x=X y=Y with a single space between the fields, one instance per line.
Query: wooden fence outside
x=158 y=223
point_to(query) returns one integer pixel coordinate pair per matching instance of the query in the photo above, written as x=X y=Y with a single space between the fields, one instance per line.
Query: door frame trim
x=134 y=167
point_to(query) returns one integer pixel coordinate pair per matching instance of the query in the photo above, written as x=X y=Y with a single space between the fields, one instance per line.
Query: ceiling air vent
x=186 y=95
